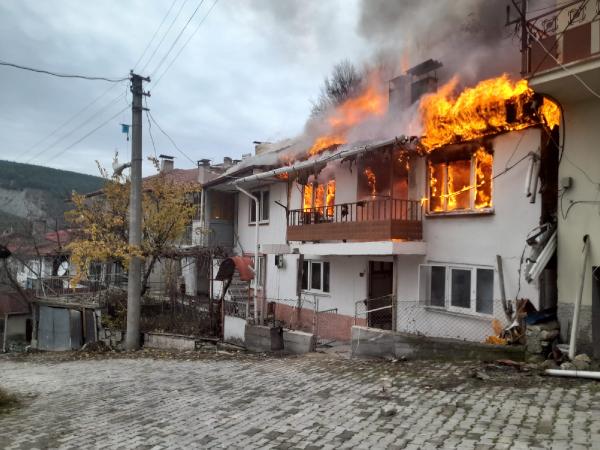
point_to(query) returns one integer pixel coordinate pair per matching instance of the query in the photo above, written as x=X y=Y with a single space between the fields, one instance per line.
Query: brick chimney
x=166 y=163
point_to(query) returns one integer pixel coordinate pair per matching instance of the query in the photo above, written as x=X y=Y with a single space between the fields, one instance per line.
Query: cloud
x=249 y=73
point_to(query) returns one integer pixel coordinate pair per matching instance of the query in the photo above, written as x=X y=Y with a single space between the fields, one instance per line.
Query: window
x=263 y=207
x=315 y=276
x=463 y=182
x=457 y=288
x=319 y=197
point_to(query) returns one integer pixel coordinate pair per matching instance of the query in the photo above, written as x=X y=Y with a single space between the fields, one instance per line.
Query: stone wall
x=584 y=335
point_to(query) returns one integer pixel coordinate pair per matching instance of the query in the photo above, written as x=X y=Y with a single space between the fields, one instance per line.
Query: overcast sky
x=248 y=74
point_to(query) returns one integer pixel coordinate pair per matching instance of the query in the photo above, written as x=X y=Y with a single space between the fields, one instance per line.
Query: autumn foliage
x=102 y=225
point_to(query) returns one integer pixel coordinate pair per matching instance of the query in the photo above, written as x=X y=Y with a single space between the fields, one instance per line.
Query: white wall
x=582 y=141
x=477 y=239
x=272 y=232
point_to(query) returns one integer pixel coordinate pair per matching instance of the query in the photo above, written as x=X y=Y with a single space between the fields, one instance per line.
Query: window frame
x=327 y=208
x=260 y=195
x=472 y=192
x=323 y=264
x=448 y=306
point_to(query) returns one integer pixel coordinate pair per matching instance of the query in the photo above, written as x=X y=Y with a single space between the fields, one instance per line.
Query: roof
x=52 y=243
x=13 y=303
x=179 y=176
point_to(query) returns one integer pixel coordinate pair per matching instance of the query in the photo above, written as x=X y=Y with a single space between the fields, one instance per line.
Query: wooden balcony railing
x=372 y=220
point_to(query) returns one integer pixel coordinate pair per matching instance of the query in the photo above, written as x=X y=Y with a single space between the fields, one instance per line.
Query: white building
x=565 y=64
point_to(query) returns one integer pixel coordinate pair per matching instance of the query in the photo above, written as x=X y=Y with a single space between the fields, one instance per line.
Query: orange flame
x=483 y=178
x=307 y=197
x=371 y=180
x=330 y=199
x=479 y=111
x=371 y=102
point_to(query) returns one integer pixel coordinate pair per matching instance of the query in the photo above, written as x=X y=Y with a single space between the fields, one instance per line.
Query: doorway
x=379 y=302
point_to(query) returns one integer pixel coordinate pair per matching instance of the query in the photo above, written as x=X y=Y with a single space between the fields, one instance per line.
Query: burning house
x=403 y=233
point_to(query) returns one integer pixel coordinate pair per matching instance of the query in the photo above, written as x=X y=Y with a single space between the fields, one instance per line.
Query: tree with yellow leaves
x=102 y=229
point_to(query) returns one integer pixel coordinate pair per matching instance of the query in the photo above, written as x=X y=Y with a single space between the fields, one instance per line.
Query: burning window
x=319 y=197
x=461 y=183
x=383 y=174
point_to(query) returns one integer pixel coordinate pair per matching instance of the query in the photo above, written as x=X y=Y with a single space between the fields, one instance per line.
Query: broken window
x=457 y=288
x=461 y=183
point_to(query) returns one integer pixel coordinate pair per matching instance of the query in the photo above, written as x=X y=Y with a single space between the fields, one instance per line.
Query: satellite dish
x=63 y=269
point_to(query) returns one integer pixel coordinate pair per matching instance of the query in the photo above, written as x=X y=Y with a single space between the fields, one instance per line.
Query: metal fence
x=379 y=312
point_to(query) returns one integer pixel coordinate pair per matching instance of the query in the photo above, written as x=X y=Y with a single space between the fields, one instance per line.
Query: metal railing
x=366 y=210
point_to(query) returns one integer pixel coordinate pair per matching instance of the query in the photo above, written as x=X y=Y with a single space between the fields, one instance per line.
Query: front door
x=381 y=285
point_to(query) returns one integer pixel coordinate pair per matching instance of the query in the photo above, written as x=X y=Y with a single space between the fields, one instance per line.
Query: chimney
x=418 y=80
x=399 y=93
x=166 y=163
x=204 y=173
x=227 y=161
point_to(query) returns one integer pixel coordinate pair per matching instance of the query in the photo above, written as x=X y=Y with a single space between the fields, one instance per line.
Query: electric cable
x=170 y=139
x=164 y=35
x=85 y=122
x=154 y=35
x=166 y=55
x=87 y=135
x=69 y=120
x=150 y=129
x=62 y=75
x=186 y=43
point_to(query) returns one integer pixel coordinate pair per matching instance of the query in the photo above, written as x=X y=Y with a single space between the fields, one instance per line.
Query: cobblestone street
x=316 y=401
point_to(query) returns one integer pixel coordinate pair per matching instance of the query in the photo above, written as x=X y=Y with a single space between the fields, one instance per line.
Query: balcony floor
x=380 y=248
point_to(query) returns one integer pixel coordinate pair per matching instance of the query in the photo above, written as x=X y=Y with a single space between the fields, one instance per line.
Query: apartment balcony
x=364 y=221
x=568 y=37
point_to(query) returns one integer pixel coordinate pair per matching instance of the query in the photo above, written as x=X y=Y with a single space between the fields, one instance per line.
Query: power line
x=166 y=55
x=69 y=120
x=154 y=35
x=164 y=35
x=169 y=137
x=62 y=75
x=87 y=135
x=85 y=122
x=186 y=42
x=150 y=129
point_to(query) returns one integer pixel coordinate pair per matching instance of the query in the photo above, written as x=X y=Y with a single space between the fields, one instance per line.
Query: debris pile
x=540 y=337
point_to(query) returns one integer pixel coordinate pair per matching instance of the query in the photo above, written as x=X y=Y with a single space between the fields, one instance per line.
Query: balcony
x=366 y=221
x=569 y=36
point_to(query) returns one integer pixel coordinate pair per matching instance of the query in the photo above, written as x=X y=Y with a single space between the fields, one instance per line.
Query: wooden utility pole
x=134 y=281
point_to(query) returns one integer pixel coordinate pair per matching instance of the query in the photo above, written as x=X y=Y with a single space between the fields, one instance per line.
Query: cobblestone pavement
x=315 y=401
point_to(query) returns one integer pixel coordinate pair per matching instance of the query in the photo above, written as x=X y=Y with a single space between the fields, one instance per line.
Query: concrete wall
x=169 y=341
x=582 y=136
x=234 y=331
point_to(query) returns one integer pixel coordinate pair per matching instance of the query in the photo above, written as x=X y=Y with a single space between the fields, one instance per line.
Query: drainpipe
x=575 y=324
x=256 y=216
x=202 y=218
x=574 y=373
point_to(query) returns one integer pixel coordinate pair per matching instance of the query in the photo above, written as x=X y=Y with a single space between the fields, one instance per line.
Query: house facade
x=564 y=63
x=385 y=238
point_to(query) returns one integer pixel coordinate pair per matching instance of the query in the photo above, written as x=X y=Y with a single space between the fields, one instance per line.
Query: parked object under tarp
x=243 y=264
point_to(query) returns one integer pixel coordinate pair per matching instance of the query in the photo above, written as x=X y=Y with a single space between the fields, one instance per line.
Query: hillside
x=35 y=192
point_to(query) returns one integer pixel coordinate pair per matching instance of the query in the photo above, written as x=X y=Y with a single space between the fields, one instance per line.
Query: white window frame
x=260 y=274
x=309 y=288
x=472 y=310
x=472 y=191
x=260 y=194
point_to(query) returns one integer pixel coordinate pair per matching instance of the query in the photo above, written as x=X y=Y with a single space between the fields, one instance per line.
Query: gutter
x=324 y=159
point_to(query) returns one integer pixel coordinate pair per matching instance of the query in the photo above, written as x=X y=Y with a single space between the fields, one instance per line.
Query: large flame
x=492 y=106
x=371 y=102
x=330 y=199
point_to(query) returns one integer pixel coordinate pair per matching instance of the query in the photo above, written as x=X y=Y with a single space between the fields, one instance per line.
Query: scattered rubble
x=541 y=336
x=388 y=410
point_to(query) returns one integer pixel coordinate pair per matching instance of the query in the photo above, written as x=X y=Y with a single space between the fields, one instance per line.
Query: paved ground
x=310 y=402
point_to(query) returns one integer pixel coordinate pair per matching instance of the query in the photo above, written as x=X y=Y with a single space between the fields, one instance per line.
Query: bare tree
x=343 y=82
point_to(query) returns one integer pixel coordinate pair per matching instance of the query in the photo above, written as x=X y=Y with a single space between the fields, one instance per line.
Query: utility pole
x=524 y=39
x=134 y=281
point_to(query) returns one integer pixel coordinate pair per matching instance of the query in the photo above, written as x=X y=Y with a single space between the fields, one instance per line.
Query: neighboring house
x=564 y=62
x=15 y=321
x=408 y=239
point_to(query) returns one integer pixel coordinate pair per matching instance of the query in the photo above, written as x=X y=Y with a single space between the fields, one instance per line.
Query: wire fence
x=379 y=312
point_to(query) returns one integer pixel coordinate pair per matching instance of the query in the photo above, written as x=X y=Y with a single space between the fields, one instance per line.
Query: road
x=317 y=401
